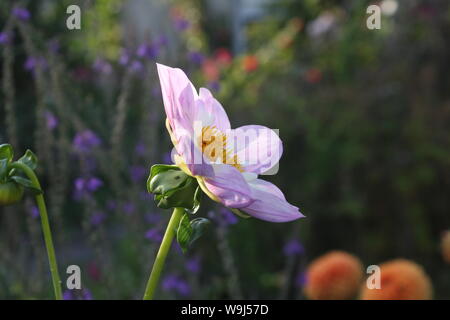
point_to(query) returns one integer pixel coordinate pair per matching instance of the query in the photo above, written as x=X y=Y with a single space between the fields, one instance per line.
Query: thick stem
x=45 y=228
x=162 y=253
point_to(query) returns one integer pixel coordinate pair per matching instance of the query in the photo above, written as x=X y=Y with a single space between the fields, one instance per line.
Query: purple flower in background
x=124 y=58
x=214 y=86
x=93 y=183
x=97 y=218
x=111 y=205
x=140 y=149
x=33 y=62
x=152 y=217
x=301 y=280
x=51 y=120
x=21 y=13
x=181 y=24
x=34 y=212
x=137 y=173
x=227 y=217
x=175 y=283
x=53 y=46
x=293 y=247
x=154 y=234
x=85 y=186
x=85 y=141
x=145 y=196
x=148 y=51
x=128 y=208
x=167 y=158
x=196 y=57
x=83 y=294
x=193 y=265
x=5 y=37
x=161 y=41
x=102 y=66
x=136 y=66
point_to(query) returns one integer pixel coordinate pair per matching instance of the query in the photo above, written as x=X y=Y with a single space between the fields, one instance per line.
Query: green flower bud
x=173 y=188
x=10 y=193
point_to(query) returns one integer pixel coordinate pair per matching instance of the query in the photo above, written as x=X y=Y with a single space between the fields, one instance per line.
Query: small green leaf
x=27 y=184
x=3 y=169
x=184 y=232
x=6 y=152
x=29 y=159
x=198 y=226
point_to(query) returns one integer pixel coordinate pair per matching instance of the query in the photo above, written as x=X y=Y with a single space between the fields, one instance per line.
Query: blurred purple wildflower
x=111 y=205
x=193 y=265
x=167 y=158
x=85 y=186
x=53 y=46
x=5 y=37
x=224 y=217
x=149 y=51
x=32 y=62
x=86 y=140
x=293 y=247
x=51 y=120
x=21 y=13
x=145 y=196
x=181 y=24
x=136 y=66
x=97 y=218
x=152 y=217
x=137 y=173
x=214 y=86
x=34 y=212
x=124 y=58
x=83 y=294
x=154 y=234
x=196 y=57
x=128 y=208
x=161 y=41
x=175 y=283
x=140 y=149
x=102 y=66
x=301 y=279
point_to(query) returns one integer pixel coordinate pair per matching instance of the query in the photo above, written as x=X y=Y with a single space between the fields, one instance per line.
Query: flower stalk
x=162 y=253
x=45 y=227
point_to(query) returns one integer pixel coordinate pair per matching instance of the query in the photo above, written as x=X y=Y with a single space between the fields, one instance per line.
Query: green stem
x=162 y=253
x=45 y=228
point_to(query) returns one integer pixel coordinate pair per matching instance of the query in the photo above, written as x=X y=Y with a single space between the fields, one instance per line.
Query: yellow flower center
x=213 y=144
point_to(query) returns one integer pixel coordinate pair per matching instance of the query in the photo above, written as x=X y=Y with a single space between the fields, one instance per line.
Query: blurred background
x=364 y=116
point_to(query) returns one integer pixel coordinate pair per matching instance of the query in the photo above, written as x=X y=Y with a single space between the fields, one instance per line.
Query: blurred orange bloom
x=250 y=63
x=445 y=246
x=400 y=280
x=336 y=275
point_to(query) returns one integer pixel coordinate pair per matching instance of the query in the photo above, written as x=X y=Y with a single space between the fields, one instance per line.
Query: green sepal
x=6 y=152
x=10 y=193
x=184 y=232
x=29 y=159
x=3 y=169
x=240 y=213
x=189 y=231
x=27 y=184
x=173 y=188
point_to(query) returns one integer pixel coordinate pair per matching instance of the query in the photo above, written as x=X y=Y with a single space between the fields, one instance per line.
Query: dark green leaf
x=6 y=152
x=29 y=159
x=27 y=184
x=198 y=226
x=3 y=169
x=184 y=232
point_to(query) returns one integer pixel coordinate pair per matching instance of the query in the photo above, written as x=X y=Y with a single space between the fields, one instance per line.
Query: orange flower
x=250 y=63
x=400 y=280
x=445 y=246
x=334 y=276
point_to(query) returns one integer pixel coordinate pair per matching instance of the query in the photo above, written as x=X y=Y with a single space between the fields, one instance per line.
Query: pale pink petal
x=214 y=108
x=191 y=155
x=270 y=204
x=179 y=98
x=229 y=186
x=258 y=148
